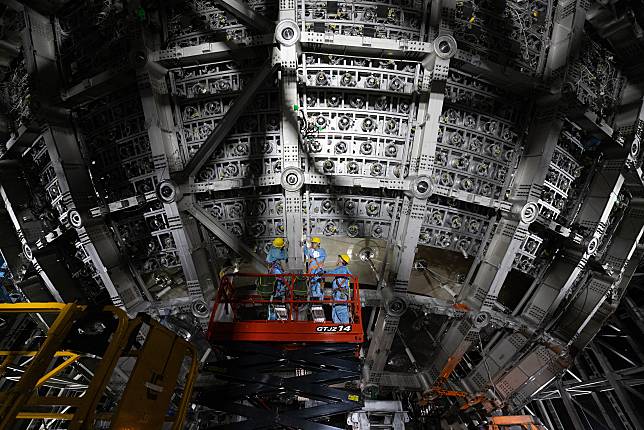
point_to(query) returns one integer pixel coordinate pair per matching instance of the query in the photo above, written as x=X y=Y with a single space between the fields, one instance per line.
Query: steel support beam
x=555 y=417
x=589 y=310
x=164 y=151
x=226 y=124
x=355 y=181
x=594 y=214
x=616 y=383
x=210 y=52
x=97 y=86
x=292 y=178
x=349 y=181
x=10 y=246
x=567 y=28
x=214 y=226
x=588 y=413
x=626 y=424
x=600 y=405
x=26 y=248
x=591 y=386
x=545 y=415
x=247 y=15
x=570 y=408
x=414 y=206
x=123 y=204
x=636 y=313
x=553 y=285
x=206 y=270
x=482 y=292
x=342 y=44
x=419 y=302
x=78 y=195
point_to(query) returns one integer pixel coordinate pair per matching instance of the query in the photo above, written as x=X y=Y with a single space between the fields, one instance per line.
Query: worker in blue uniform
x=315 y=256
x=276 y=262
x=341 y=289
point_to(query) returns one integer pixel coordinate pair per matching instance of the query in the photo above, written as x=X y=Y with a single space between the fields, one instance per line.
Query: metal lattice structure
x=479 y=162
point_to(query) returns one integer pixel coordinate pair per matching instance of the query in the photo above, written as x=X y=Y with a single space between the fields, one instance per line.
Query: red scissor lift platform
x=243 y=297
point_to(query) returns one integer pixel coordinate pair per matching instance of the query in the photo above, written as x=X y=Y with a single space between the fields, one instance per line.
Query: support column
x=544 y=414
x=287 y=34
x=570 y=407
x=167 y=190
x=165 y=152
x=598 y=402
x=26 y=247
x=555 y=416
x=423 y=150
x=615 y=381
x=482 y=292
x=78 y=195
x=609 y=394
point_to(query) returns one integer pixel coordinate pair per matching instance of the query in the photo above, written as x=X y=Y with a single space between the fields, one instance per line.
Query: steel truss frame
x=285 y=56
x=423 y=151
x=483 y=286
x=73 y=180
x=604 y=387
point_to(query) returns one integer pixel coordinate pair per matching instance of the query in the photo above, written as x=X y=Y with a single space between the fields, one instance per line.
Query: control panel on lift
x=284 y=308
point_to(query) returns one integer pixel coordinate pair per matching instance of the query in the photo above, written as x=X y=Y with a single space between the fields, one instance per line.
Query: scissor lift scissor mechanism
x=282 y=361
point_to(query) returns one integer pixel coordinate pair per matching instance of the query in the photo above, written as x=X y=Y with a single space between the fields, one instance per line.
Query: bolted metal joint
x=28 y=253
x=199 y=309
x=445 y=46
x=287 y=32
x=78 y=220
x=75 y=218
x=591 y=245
x=634 y=159
x=527 y=213
x=635 y=148
x=139 y=58
x=168 y=192
x=395 y=306
x=292 y=179
x=480 y=319
x=421 y=187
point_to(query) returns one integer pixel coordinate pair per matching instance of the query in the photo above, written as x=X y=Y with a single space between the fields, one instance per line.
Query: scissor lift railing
x=159 y=356
x=242 y=297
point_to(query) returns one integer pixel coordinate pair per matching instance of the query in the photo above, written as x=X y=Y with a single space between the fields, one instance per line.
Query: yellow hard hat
x=278 y=242
x=315 y=240
x=345 y=258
